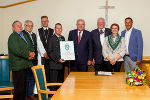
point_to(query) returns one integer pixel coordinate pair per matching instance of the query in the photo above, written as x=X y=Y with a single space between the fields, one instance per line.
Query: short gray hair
x=101 y=18
x=80 y=20
x=25 y=23
x=13 y=24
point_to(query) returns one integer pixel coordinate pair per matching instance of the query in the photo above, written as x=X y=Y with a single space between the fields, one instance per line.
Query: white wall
x=68 y=11
x=1 y=32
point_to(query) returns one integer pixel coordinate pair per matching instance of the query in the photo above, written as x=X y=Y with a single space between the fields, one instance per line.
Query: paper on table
x=104 y=73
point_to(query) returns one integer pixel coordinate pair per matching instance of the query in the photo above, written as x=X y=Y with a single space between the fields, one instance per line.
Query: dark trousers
x=30 y=83
x=112 y=68
x=76 y=67
x=19 y=81
x=99 y=67
x=45 y=62
x=56 y=76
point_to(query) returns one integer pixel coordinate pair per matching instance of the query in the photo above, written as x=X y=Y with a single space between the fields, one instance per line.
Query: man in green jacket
x=21 y=54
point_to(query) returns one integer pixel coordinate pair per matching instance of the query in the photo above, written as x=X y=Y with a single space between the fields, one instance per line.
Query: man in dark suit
x=21 y=54
x=53 y=50
x=134 y=45
x=83 y=47
x=43 y=35
x=98 y=36
x=30 y=81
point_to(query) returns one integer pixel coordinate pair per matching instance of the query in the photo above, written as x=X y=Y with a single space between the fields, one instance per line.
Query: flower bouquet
x=136 y=77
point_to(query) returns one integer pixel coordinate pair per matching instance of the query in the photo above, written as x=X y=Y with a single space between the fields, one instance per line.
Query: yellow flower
x=139 y=77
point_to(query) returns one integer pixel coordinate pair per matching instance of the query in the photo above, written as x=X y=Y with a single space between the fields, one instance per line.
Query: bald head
x=101 y=23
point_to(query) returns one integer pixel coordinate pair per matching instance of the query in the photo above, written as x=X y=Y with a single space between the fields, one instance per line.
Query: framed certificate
x=67 y=50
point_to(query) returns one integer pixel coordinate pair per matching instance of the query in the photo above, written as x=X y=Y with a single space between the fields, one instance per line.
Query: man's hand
x=30 y=58
x=31 y=55
x=46 y=55
x=138 y=62
x=61 y=60
x=89 y=62
x=93 y=62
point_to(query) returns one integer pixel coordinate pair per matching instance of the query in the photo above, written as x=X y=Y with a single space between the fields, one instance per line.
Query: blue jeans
x=30 y=83
x=129 y=64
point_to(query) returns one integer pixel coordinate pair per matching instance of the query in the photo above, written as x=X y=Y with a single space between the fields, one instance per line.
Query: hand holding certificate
x=67 y=50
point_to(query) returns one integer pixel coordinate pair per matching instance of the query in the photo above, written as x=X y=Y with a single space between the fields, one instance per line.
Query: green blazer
x=18 y=51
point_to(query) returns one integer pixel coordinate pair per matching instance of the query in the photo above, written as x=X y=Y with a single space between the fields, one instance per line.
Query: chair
x=5 y=84
x=40 y=79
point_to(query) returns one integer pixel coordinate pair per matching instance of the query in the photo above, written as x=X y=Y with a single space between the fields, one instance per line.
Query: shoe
x=27 y=98
x=33 y=98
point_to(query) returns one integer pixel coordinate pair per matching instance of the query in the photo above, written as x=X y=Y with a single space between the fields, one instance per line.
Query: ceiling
x=9 y=3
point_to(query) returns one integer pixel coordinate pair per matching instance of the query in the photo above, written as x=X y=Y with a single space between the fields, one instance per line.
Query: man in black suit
x=43 y=35
x=83 y=47
x=98 y=36
x=53 y=50
x=30 y=82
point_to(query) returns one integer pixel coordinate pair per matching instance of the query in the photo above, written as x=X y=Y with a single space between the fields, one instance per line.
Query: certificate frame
x=67 y=51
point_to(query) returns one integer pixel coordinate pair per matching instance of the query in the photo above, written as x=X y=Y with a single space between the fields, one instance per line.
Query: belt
x=127 y=55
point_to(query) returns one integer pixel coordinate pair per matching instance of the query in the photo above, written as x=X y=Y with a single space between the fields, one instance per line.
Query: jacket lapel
x=106 y=32
x=98 y=37
x=21 y=37
x=76 y=36
x=82 y=37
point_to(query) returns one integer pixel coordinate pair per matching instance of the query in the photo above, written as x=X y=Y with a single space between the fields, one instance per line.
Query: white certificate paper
x=67 y=50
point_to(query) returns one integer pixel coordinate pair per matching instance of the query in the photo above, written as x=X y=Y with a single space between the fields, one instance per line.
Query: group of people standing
x=103 y=48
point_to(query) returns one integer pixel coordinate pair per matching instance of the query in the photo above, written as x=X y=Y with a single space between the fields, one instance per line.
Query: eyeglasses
x=29 y=25
x=114 y=28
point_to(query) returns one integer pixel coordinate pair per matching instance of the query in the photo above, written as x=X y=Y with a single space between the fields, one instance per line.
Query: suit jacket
x=83 y=50
x=97 y=47
x=33 y=41
x=53 y=50
x=18 y=51
x=135 y=44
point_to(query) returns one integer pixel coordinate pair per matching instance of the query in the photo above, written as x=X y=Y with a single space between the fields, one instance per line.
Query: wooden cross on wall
x=106 y=7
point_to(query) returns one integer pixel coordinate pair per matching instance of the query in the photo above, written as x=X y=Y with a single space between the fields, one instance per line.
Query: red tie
x=79 y=36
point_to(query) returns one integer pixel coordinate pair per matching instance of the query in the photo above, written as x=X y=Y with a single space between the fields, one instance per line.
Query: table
x=87 y=86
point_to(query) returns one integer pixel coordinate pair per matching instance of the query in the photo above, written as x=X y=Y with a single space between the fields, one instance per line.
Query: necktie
x=79 y=36
x=32 y=39
x=101 y=32
x=46 y=34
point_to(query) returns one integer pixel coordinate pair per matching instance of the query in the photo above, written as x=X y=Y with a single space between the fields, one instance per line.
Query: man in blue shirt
x=21 y=54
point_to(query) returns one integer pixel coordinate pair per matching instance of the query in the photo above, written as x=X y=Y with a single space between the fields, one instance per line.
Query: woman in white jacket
x=113 y=50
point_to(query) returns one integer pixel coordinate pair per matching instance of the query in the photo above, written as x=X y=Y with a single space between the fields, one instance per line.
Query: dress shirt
x=127 y=39
x=80 y=34
x=102 y=36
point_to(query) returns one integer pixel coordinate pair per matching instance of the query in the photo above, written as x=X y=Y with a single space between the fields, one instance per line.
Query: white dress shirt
x=127 y=39
x=45 y=28
x=40 y=48
x=102 y=36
